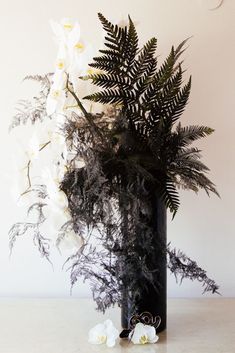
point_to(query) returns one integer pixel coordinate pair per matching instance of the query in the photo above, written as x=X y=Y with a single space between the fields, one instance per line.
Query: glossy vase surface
x=151 y=306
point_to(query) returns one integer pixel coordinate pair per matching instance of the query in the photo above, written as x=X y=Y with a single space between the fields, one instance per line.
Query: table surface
x=62 y=325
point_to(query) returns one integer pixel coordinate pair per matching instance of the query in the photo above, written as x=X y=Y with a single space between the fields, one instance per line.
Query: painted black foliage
x=133 y=152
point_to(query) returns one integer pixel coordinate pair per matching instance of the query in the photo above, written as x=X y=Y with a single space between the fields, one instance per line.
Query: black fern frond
x=151 y=100
x=132 y=48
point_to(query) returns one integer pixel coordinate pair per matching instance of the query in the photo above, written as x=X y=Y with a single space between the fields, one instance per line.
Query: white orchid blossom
x=57 y=210
x=58 y=148
x=57 y=200
x=33 y=149
x=21 y=162
x=52 y=179
x=104 y=333
x=65 y=30
x=57 y=95
x=72 y=62
x=51 y=137
x=143 y=334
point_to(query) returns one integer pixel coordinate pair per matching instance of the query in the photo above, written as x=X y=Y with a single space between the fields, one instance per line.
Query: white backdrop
x=203 y=227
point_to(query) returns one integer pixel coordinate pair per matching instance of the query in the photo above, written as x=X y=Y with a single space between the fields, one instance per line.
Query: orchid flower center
x=79 y=46
x=102 y=339
x=143 y=339
x=68 y=26
x=60 y=64
x=55 y=93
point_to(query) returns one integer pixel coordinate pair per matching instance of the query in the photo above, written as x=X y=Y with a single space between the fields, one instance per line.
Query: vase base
x=125 y=332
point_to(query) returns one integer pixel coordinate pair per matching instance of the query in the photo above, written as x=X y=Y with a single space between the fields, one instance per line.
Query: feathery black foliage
x=19 y=229
x=35 y=110
x=182 y=266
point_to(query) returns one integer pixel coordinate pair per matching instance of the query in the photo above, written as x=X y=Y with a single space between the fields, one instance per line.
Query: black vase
x=151 y=306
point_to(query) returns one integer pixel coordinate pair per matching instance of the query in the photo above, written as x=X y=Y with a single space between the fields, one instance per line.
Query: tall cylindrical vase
x=151 y=306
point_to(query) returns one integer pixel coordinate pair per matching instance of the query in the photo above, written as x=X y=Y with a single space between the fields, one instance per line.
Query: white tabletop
x=61 y=326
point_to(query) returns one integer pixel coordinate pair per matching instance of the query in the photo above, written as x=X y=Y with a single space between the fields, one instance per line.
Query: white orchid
x=57 y=211
x=104 y=333
x=57 y=95
x=52 y=138
x=58 y=148
x=57 y=201
x=72 y=61
x=33 y=148
x=71 y=46
x=143 y=334
x=80 y=54
x=52 y=178
x=24 y=155
x=65 y=30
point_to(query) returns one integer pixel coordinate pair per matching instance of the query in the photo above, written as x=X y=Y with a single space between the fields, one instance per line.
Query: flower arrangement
x=112 y=156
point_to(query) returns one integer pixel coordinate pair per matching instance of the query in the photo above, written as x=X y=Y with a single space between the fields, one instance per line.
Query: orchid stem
x=44 y=145
x=28 y=174
x=85 y=113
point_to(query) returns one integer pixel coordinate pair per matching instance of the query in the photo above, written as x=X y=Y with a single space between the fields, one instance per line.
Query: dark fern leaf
x=145 y=58
x=160 y=100
x=169 y=66
x=165 y=71
x=109 y=80
x=143 y=81
x=188 y=134
x=132 y=48
x=170 y=196
x=117 y=37
x=110 y=96
x=191 y=162
x=109 y=64
x=157 y=102
x=178 y=103
x=180 y=48
x=187 y=153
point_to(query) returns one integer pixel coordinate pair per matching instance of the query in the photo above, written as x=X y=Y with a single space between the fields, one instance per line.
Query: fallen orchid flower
x=104 y=333
x=143 y=334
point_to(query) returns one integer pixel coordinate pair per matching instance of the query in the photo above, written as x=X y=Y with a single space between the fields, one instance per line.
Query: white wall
x=203 y=228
